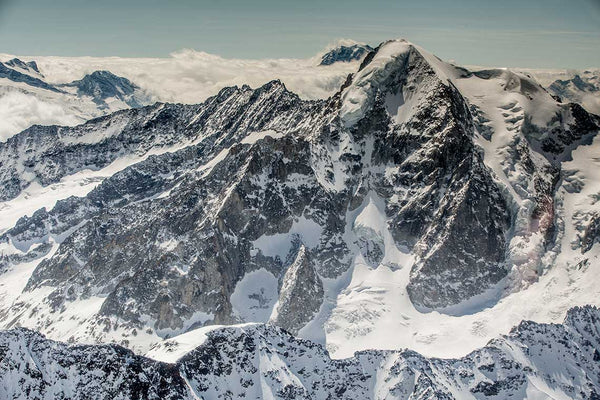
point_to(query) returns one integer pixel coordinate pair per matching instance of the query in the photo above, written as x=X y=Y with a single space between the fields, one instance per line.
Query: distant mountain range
x=101 y=87
x=582 y=88
x=26 y=97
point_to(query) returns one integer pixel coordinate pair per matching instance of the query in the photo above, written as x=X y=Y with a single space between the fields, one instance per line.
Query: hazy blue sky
x=526 y=33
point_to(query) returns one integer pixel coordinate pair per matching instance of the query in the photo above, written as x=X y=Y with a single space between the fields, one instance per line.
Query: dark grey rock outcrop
x=345 y=53
x=301 y=294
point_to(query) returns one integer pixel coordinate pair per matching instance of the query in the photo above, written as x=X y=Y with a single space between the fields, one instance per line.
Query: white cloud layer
x=190 y=76
x=18 y=111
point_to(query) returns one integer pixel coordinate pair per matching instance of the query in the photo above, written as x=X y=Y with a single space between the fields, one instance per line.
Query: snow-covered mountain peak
x=20 y=73
x=345 y=51
x=29 y=68
x=385 y=72
x=103 y=86
x=582 y=88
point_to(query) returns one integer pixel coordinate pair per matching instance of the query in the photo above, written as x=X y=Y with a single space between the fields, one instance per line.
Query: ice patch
x=111 y=128
x=208 y=167
x=168 y=245
x=279 y=244
x=256 y=136
x=255 y=296
x=372 y=218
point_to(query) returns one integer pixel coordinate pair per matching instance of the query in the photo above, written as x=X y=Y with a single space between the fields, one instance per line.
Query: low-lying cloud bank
x=190 y=76
x=18 y=111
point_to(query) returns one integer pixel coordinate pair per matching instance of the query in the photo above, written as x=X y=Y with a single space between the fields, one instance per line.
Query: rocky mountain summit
x=264 y=362
x=345 y=53
x=421 y=194
x=29 y=67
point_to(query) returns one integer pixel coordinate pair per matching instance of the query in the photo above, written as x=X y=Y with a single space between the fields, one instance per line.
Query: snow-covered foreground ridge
x=423 y=206
x=533 y=361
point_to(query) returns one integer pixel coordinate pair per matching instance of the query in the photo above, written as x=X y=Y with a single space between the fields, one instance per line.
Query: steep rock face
x=301 y=294
x=452 y=266
x=51 y=153
x=436 y=184
x=261 y=361
x=591 y=234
